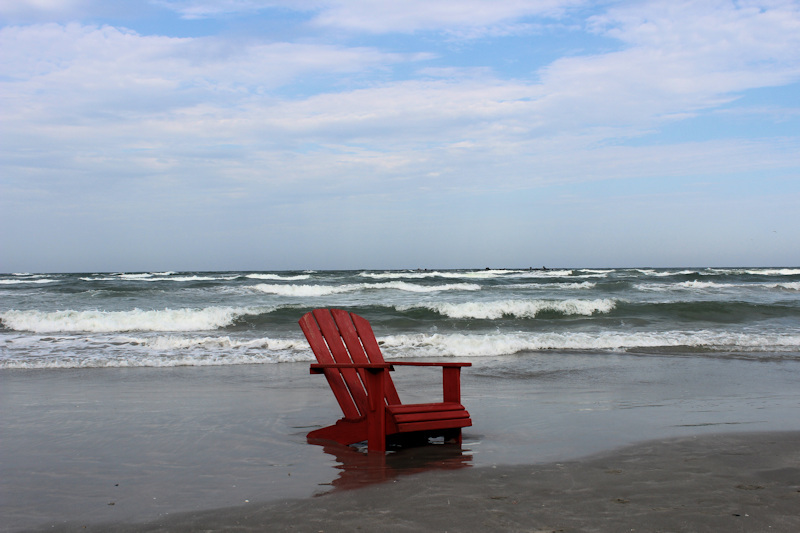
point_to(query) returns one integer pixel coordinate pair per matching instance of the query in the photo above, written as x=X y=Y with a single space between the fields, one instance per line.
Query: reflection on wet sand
x=357 y=468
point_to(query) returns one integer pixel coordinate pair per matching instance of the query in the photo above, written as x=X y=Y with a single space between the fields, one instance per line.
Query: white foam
x=301 y=290
x=551 y=286
x=544 y=274
x=209 y=318
x=479 y=274
x=775 y=272
x=152 y=278
x=23 y=281
x=667 y=273
x=471 y=274
x=197 y=278
x=712 y=285
x=98 y=350
x=517 y=308
x=101 y=350
x=683 y=285
x=703 y=285
x=159 y=361
x=466 y=345
x=792 y=286
x=176 y=342
x=326 y=290
x=276 y=277
x=756 y=271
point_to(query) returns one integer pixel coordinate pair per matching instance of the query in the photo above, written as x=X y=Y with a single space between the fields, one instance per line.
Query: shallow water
x=133 y=444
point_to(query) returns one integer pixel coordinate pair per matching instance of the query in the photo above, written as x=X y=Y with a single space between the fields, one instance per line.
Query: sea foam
x=276 y=277
x=75 y=351
x=22 y=281
x=209 y=318
x=326 y=290
x=517 y=308
x=471 y=345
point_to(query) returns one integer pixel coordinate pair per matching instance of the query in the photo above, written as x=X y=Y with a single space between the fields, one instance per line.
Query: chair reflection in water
x=357 y=469
x=349 y=356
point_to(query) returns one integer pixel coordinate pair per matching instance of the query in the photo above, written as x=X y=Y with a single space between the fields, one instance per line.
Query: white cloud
x=60 y=70
x=195 y=9
x=380 y=16
x=104 y=101
x=680 y=58
x=29 y=7
x=466 y=17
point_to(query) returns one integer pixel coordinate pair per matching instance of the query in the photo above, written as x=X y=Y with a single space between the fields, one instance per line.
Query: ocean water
x=168 y=319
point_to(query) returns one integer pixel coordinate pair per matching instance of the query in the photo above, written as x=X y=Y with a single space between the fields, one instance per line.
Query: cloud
x=57 y=71
x=679 y=58
x=87 y=102
x=376 y=16
x=97 y=101
x=466 y=17
x=27 y=8
x=198 y=9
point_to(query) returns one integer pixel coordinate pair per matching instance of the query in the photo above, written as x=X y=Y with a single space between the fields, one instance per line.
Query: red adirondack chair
x=350 y=358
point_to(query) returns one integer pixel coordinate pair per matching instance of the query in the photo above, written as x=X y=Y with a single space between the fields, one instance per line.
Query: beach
x=736 y=482
x=563 y=441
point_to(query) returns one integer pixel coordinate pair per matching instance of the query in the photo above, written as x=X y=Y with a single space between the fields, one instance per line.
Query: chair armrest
x=451 y=377
x=319 y=368
x=444 y=365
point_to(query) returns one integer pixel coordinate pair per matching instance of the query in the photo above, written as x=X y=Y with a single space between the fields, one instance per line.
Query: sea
x=174 y=319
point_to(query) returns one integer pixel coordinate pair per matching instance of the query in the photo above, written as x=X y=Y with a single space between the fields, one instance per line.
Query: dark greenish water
x=165 y=319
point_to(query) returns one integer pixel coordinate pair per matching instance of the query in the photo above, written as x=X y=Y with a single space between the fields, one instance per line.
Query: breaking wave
x=326 y=290
x=209 y=318
x=466 y=345
x=158 y=277
x=470 y=274
x=277 y=277
x=175 y=350
x=22 y=281
x=516 y=308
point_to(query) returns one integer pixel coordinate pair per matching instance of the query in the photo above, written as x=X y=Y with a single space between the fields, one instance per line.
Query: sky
x=142 y=135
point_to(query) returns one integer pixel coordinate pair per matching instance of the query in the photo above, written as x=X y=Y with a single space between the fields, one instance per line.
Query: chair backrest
x=337 y=336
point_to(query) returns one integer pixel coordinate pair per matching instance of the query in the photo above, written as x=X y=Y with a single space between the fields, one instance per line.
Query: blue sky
x=277 y=134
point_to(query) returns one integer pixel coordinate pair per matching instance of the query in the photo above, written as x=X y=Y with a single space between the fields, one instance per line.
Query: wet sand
x=732 y=482
x=221 y=448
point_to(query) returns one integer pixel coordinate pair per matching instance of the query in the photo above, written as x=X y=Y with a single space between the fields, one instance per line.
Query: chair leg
x=454 y=436
x=376 y=412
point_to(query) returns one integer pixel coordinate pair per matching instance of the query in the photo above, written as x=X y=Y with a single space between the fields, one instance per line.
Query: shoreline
x=719 y=482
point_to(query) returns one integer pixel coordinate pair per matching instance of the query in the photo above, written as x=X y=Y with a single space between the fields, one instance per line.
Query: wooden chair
x=350 y=358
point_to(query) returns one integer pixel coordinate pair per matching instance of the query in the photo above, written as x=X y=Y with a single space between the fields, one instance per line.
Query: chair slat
x=434 y=425
x=350 y=336
x=330 y=331
x=315 y=339
x=424 y=407
x=436 y=415
x=374 y=354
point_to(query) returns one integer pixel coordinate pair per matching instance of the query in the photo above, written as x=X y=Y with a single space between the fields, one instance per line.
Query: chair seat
x=427 y=416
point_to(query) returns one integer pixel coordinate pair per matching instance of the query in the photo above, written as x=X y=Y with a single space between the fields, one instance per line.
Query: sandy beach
x=734 y=482
x=569 y=442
